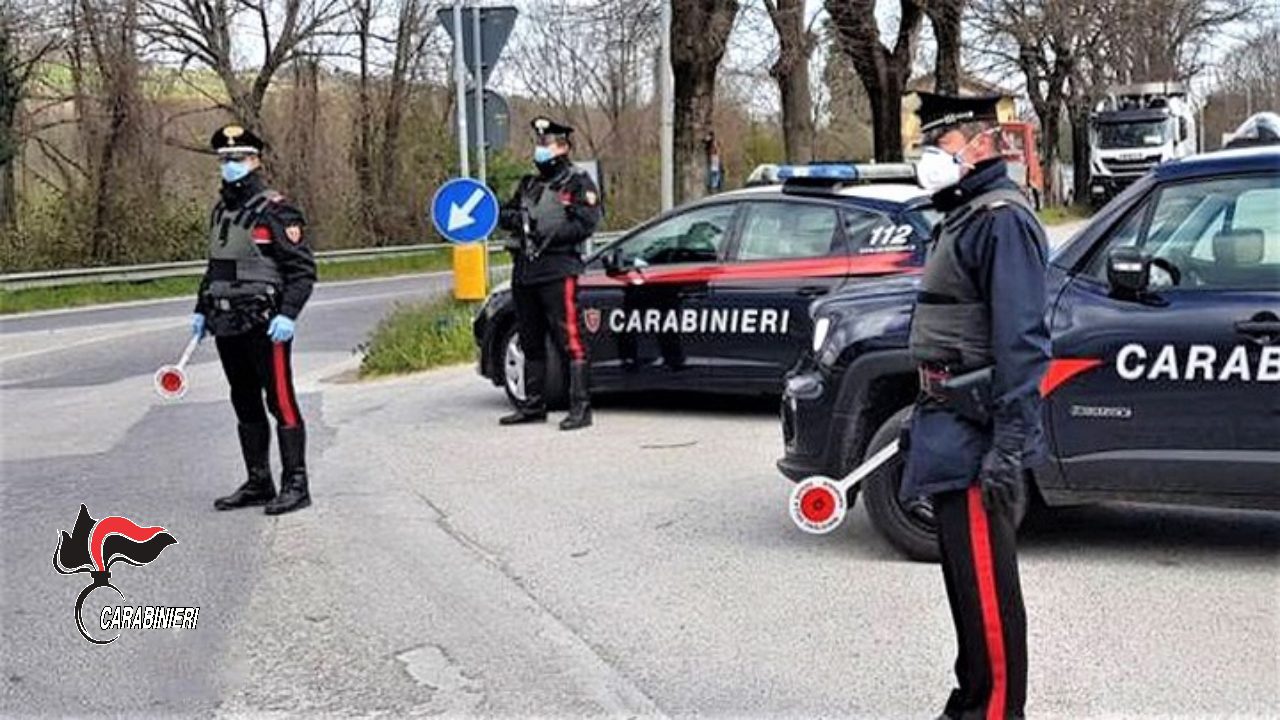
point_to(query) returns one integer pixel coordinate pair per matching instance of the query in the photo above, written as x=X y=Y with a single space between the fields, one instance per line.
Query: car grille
x=1130 y=167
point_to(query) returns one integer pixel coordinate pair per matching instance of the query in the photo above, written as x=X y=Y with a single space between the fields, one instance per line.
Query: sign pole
x=460 y=81
x=668 y=110
x=479 y=87
x=481 y=150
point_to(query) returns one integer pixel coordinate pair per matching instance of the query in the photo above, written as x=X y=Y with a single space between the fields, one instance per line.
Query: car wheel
x=555 y=385
x=908 y=525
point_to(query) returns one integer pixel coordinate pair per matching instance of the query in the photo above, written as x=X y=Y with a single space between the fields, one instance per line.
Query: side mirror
x=1128 y=271
x=612 y=262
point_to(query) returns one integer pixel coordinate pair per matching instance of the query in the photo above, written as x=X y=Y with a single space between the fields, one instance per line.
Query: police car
x=1165 y=380
x=714 y=296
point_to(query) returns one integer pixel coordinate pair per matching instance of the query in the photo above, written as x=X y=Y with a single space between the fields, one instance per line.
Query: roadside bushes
x=420 y=336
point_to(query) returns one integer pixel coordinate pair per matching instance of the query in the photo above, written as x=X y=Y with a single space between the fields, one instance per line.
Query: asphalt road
x=643 y=567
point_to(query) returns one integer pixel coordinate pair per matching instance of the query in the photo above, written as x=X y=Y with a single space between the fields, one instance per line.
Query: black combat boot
x=293 y=479
x=255 y=445
x=579 y=398
x=534 y=407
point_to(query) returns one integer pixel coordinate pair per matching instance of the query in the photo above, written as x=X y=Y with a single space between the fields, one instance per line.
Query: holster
x=967 y=395
x=235 y=308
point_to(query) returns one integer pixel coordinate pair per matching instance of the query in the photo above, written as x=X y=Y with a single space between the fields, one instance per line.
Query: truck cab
x=1134 y=129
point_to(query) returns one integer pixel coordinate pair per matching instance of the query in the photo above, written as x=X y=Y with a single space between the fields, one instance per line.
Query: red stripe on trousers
x=984 y=568
x=571 y=318
x=284 y=398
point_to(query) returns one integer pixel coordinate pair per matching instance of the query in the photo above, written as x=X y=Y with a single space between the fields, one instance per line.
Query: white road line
x=185 y=298
x=155 y=325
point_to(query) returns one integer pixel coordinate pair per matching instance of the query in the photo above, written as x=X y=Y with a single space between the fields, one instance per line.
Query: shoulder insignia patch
x=591 y=197
x=261 y=235
x=294 y=233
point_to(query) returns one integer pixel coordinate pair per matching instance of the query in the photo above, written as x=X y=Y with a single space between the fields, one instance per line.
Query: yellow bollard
x=470 y=271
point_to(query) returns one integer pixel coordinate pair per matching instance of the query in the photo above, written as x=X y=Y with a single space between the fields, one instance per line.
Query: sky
x=752 y=47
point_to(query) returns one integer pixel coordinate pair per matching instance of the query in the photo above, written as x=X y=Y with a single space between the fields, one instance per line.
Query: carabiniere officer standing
x=260 y=275
x=981 y=304
x=551 y=216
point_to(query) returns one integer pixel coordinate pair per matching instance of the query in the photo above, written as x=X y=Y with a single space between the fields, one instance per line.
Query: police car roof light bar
x=835 y=175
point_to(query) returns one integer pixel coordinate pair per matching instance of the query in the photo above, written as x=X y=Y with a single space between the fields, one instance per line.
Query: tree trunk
x=397 y=98
x=362 y=154
x=694 y=109
x=883 y=72
x=791 y=72
x=797 y=116
x=1081 y=172
x=944 y=16
x=10 y=95
x=1050 y=125
x=886 y=118
x=116 y=55
x=699 y=33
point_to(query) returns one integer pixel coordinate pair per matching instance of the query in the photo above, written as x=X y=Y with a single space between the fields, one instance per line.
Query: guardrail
x=155 y=271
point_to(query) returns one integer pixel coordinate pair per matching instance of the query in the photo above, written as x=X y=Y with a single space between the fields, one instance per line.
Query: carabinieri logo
x=93 y=546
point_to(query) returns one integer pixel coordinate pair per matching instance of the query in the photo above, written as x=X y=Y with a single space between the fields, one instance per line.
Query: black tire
x=909 y=526
x=556 y=385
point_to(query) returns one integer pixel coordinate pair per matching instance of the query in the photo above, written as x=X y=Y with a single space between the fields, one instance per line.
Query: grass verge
x=419 y=336
x=1058 y=215
x=30 y=299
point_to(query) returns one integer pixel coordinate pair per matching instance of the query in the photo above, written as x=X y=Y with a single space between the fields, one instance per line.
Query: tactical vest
x=952 y=324
x=546 y=211
x=231 y=241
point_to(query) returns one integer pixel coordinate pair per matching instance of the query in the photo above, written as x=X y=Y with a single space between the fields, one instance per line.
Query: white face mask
x=938 y=169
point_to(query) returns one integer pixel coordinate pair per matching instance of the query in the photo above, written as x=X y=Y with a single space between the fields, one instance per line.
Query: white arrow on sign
x=460 y=215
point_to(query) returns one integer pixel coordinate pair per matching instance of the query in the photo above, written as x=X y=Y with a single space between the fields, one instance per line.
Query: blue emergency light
x=843 y=173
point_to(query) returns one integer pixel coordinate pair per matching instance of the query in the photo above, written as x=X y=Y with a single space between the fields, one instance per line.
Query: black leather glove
x=1001 y=478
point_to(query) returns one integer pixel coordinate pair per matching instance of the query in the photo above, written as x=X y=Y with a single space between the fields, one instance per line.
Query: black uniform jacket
x=280 y=234
x=559 y=243
x=1001 y=249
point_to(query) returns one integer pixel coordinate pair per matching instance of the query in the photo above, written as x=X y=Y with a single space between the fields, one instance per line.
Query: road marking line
x=157 y=324
x=186 y=298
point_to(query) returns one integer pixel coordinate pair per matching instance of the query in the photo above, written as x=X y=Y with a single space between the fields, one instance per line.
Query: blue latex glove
x=280 y=329
x=197 y=325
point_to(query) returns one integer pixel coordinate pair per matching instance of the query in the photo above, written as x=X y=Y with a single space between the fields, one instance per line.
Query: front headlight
x=821 y=327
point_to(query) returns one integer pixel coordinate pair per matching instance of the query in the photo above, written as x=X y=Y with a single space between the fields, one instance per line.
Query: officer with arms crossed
x=980 y=308
x=260 y=275
x=551 y=216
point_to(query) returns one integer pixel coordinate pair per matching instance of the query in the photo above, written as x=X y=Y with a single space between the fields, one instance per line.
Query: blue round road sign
x=464 y=210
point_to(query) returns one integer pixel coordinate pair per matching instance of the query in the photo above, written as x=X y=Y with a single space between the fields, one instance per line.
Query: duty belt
x=932 y=378
x=968 y=394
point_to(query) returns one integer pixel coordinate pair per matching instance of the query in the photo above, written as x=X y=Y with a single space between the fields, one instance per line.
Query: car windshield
x=1133 y=135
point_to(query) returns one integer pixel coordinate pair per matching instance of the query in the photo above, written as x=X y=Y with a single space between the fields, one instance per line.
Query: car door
x=642 y=296
x=1176 y=392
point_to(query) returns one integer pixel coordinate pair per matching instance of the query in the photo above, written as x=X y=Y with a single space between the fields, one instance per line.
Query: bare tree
x=796 y=41
x=23 y=45
x=699 y=35
x=1043 y=40
x=1246 y=81
x=105 y=72
x=1174 y=35
x=202 y=31
x=586 y=64
x=884 y=71
x=413 y=31
x=363 y=13
x=945 y=17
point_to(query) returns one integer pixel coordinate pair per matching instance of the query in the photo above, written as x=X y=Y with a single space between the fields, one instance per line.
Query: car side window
x=782 y=230
x=699 y=235
x=1220 y=234
x=870 y=232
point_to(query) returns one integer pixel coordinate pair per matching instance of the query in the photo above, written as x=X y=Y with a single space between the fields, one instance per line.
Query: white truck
x=1133 y=129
